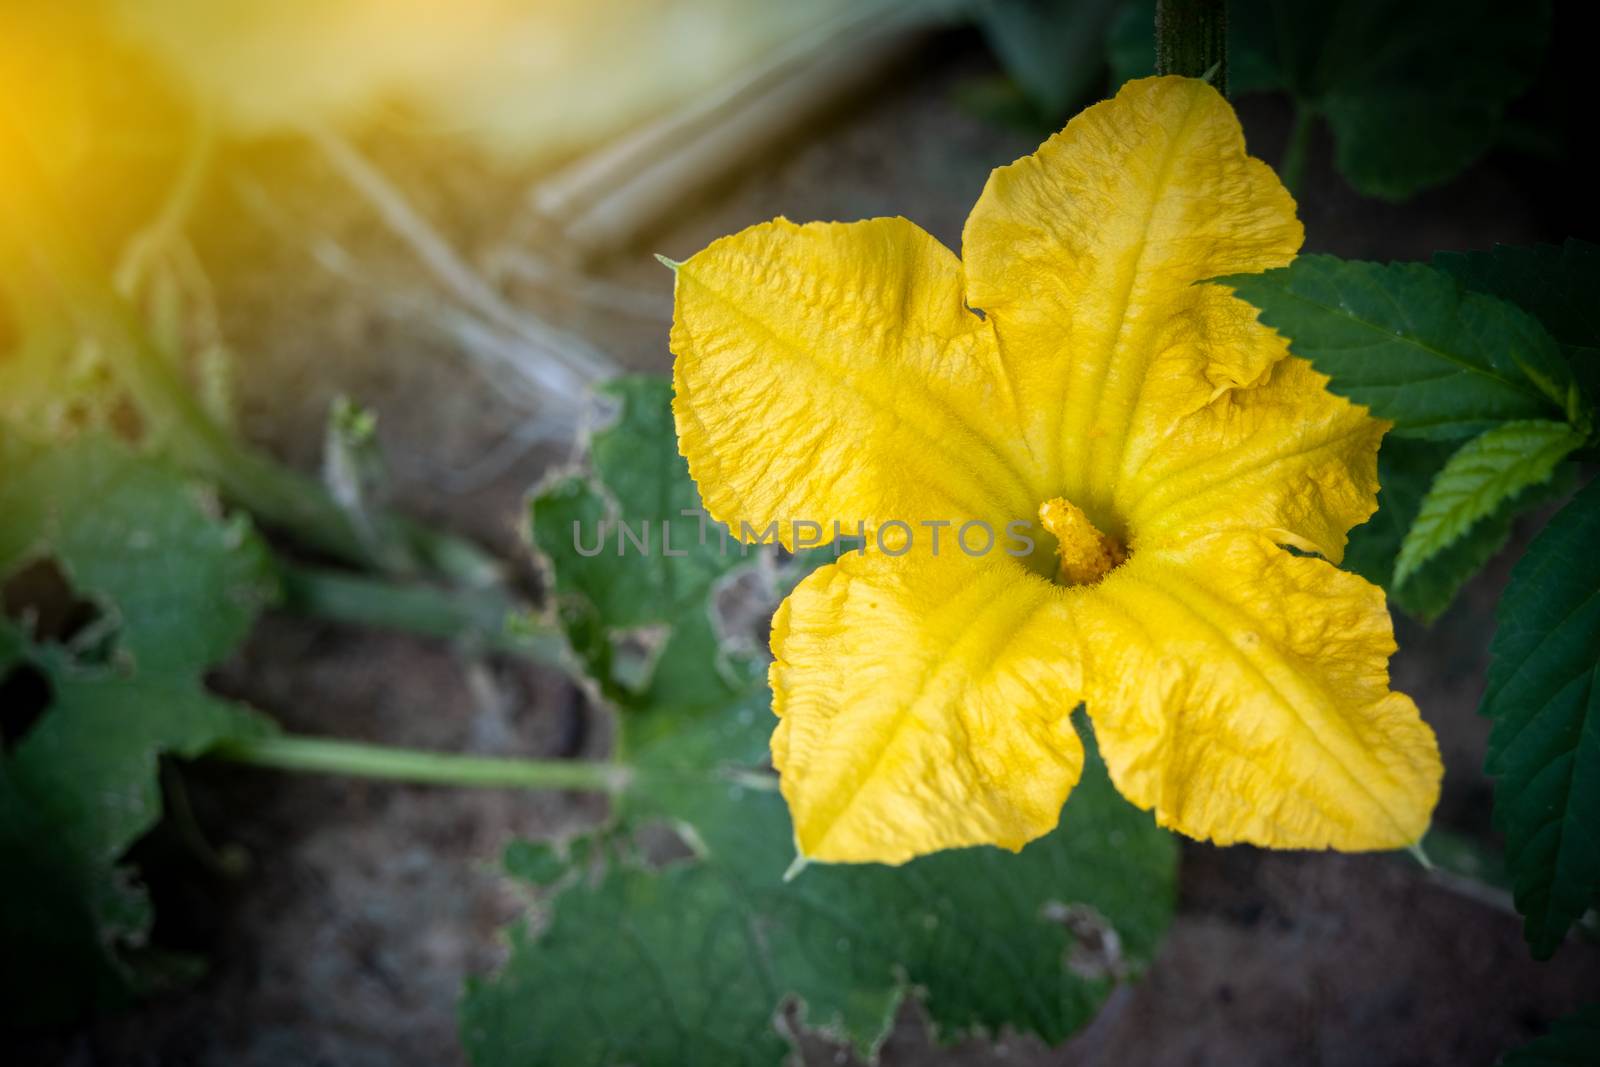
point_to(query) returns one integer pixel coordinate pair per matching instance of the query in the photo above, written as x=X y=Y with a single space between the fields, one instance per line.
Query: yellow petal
x=1242 y=692
x=833 y=372
x=1085 y=256
x=925 y=703
x=1284 y=456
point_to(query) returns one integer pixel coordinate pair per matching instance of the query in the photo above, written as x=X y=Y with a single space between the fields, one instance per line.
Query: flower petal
x=833 y=372
x=925 y=703
x=1242 y=692
x=1284 y=456
x=1085 y=256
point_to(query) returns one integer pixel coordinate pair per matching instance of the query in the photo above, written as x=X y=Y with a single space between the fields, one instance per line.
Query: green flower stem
x=1192 y=40
x=486 y=618
x=287 y=752
x=1295 y=155
x=275 y=493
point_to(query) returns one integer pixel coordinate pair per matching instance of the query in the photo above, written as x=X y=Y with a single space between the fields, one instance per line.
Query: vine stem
x=1192 y=40
x=487 y=619
x=317 y=755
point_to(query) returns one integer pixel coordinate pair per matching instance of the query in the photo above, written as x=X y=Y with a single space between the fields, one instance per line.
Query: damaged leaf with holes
x=1031 y=942
x=630 y=570
x=123 y=585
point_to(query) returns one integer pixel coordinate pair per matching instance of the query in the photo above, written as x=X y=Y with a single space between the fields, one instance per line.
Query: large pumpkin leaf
x=172 y=588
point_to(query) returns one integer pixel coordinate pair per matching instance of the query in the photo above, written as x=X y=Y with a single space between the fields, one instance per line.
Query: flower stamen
x=1086 y=555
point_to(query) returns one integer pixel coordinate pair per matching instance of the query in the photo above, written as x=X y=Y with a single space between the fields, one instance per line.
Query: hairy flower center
x=1084 y=554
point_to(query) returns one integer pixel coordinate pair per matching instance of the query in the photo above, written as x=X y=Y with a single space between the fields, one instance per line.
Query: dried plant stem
x=562 y=363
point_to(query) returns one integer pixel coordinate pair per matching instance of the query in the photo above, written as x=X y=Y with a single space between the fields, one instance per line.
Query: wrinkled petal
x=1242 y=692
x=1285 y=456
x=1086 y=254
x=923 y=707
x=833 y=372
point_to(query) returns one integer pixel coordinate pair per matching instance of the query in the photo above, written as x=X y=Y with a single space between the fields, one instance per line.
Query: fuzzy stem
x=1192 y=40
x=487 y=618
x=317 y=755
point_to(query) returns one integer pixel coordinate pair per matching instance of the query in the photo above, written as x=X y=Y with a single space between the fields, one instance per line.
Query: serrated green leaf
x=1478 y=480
x=1406 y=468
x=692 y=962
x=1555 y=284
x=1543 y=696
x=1573 y=1041
x=622 y=553
x=178 y=586
x=1408 y=342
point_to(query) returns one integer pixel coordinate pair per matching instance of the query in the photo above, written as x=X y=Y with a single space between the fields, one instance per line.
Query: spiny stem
x=1192 y=40
x=317 y=755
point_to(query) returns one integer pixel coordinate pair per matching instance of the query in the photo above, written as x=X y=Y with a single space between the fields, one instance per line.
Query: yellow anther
x=1086 y=554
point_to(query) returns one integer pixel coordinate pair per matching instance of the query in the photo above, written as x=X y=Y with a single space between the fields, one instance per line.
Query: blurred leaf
x=1478 y=480
x=1405 y=340
x=1131 y=42
x=1543 y=696
x=1052 y=49
x=1379 y=72
x=1573 y=1041
x=1557 y=284
x=692 y=960
x=174 y=588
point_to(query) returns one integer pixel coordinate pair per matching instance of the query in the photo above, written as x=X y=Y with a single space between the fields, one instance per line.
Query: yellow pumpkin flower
x=1074 y=382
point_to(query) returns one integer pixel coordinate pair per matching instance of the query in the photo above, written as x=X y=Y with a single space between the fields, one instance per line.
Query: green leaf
x=1050 y=48
x=1478 y=480
x=1555 y=284
x=1405 y=340
x=1379 y=73
x=1406 y=468
x=623 y=555
x=1573 y=1041
x=1543 y=696
x=692 y=960
x=175 y=587
x=690 y=963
